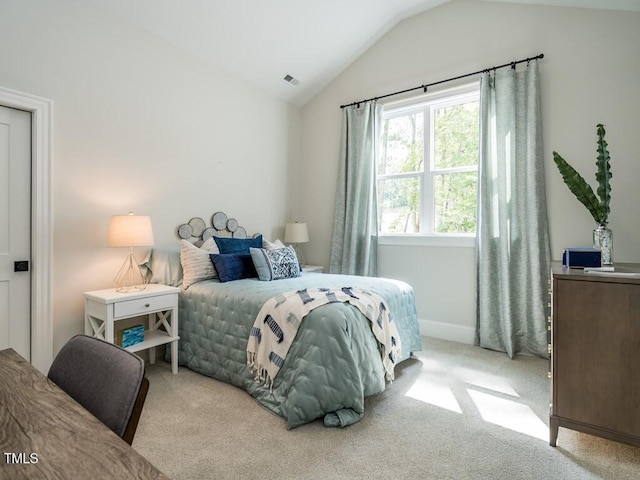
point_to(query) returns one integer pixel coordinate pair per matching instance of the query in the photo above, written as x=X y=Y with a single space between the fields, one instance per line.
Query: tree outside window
x=428 y=166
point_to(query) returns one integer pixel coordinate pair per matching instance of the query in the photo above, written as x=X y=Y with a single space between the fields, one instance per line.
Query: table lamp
x=130 y=231
x=296 y=233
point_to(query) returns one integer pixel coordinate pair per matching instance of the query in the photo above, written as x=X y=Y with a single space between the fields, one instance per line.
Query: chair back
x=105 y=379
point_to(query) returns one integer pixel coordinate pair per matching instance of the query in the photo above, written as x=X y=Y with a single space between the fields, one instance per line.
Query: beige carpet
x=454 y=412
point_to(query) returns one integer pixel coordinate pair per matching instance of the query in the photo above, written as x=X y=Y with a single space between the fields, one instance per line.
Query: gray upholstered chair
x=105 y=379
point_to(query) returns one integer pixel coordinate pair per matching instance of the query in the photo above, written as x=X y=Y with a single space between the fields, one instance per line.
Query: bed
x=335 y=360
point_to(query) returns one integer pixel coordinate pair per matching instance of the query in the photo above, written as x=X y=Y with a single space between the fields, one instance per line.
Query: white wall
x=589 y=75
x=139 y=125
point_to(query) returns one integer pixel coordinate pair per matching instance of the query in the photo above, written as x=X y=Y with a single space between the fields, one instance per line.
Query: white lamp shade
x=296 y=233
x=130 y=231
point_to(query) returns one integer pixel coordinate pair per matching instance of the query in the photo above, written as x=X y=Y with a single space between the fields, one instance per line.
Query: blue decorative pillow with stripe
x=275 y=264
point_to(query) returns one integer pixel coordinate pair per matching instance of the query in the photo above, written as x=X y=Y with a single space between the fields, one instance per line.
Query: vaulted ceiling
x=262 y=41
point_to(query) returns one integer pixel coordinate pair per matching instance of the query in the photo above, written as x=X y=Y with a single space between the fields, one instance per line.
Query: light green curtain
x=354 y=245
x=513 y=253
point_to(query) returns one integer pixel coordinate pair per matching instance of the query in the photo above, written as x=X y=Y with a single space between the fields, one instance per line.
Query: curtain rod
x=424 y=87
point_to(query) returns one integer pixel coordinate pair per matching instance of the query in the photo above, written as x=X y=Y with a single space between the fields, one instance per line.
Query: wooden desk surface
x=45 y=434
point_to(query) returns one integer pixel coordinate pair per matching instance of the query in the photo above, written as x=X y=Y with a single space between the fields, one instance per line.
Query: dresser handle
x=146 y=305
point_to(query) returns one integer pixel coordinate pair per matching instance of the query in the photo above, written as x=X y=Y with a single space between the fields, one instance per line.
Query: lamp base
x=129 y=277
x=298 y=250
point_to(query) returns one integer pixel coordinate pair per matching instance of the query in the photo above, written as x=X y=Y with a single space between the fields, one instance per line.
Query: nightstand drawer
x=142 y=306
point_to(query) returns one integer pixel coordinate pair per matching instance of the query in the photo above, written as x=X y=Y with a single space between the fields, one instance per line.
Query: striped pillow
x=196 y=263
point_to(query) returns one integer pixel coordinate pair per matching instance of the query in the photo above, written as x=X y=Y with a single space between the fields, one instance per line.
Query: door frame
x=41 y=221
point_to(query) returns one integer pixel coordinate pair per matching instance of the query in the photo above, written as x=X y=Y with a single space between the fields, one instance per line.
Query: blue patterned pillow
x=275 y=264
x=238 y=245
x=233 y=266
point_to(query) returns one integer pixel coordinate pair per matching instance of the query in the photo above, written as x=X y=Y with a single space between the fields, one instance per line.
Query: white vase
x=603 y=239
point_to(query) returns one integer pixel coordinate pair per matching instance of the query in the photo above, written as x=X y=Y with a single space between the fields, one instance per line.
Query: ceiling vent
x=293 y=81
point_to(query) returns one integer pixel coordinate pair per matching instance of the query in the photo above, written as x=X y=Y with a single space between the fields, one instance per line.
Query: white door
x=15 y=230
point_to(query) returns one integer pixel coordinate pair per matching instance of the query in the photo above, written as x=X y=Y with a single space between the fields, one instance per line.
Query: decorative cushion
x=233 y=266
x=210 y=246
x=271 y=245
x=238 y=245
x=196 y=264
x=275 y=264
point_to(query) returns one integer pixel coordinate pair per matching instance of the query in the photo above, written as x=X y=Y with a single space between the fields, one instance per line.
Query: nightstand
x=103 y=308
x=313 y=268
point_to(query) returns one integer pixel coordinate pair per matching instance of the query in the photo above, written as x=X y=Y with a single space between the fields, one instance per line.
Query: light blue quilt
x=334 y=362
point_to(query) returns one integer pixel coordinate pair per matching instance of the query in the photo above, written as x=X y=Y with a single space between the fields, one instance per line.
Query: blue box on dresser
x=580 y=257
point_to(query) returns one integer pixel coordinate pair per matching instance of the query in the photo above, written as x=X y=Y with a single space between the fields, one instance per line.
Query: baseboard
x=447 y=331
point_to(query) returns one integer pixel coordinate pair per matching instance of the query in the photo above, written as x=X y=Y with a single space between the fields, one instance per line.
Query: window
x=428 y=165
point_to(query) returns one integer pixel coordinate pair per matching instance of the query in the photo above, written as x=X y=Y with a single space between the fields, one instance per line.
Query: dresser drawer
x=142 y=306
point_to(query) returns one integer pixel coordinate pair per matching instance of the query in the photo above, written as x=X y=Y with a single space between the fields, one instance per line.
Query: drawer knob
x=146 y=305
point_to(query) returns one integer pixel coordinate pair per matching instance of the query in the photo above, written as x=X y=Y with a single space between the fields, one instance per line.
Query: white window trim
x=419 y=240
x=402 y=107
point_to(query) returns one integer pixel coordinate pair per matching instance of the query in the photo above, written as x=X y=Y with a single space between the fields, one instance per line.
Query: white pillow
x=272 y=245
x=210 y=246
x=196 y=263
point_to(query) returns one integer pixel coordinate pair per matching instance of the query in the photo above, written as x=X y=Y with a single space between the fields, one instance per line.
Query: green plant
x=598 y=206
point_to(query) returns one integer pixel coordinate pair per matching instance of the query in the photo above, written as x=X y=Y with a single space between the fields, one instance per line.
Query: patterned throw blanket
x=279 y=319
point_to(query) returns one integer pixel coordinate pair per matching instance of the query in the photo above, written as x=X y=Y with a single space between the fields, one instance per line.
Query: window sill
x=465 y=241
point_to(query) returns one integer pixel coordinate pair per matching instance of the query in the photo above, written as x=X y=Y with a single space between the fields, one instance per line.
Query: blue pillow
x=275 y=264
x=237 y=245
x=233 y=266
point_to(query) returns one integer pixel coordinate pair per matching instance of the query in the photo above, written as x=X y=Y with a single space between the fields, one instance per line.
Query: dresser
x=595 y=353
